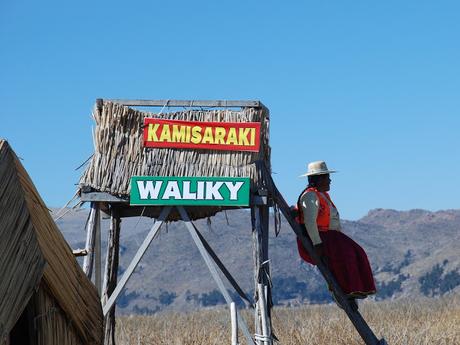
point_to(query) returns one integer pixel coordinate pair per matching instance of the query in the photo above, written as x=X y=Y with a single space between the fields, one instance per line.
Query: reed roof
x=119 y=152
x=35 y=252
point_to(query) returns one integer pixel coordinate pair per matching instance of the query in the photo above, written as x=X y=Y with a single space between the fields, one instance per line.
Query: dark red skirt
x=347 y=261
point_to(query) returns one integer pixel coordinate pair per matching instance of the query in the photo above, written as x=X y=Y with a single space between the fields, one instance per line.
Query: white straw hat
x=317 y=168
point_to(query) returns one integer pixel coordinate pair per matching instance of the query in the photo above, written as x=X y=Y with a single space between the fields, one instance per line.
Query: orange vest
x=324 y=211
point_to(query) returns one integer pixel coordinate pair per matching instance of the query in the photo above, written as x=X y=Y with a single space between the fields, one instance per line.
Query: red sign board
x=232 y=136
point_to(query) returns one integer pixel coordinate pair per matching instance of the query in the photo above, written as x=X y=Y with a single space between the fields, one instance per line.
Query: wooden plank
x=256 y=256
x=223 y=269
x=263 y=314
x=135 y=261
x=106 y=197
x=98 y=252
x=90 y=239
x=259 y=200
x=260 y=227
x=101 y=197
x=212 y=268
x=79 y=252
x=264 y=215
x=355 y=317
x=186 y=103
x=263 y=223
x=111 y=274
x=234 y=318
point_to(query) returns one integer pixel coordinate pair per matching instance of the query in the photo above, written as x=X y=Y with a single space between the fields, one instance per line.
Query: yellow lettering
x=187 y=137
x=243 y=136
x=208 y=137
x=253 y=137
x=219 y=136
x=231 y=138
x=165 y=134
x=196 y=135
x=152 y=132
x=178 y=134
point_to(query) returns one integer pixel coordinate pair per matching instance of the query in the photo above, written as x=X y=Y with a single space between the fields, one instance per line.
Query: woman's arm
x=310 y=205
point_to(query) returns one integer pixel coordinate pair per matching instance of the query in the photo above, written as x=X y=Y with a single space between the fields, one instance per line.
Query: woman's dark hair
x=314 y=179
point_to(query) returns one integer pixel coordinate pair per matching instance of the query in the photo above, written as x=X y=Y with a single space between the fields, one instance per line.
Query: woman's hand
x=319 y=249
x=294 y=211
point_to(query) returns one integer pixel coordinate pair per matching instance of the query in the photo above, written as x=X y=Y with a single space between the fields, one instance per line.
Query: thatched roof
x=119 y=152
x=35 y=252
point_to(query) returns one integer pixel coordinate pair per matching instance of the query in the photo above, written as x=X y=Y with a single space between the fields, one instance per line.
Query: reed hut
x=45 y=297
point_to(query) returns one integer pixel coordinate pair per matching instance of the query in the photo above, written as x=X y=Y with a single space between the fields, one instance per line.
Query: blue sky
x=370 y=87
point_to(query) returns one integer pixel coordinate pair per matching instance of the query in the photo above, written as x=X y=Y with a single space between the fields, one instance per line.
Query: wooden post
x=256 y=261
x=264 y=215
x=260 y=227
x=263 y=314
x=90 y=239
x=111 y=275
x=97 y=252
x=234 y=319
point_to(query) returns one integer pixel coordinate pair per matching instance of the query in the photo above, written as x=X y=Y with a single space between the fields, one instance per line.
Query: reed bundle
x=51 y=324
x=22 y=263
x=35 y=252
x=119 y=152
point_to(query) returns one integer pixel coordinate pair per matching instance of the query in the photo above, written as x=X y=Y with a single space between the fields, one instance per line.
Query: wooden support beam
x=101 y=197
x=212 y=268
x=90 y=240
x=263 y=315
x=106 y=197
x=355 y=317
x=79 y=252
x=257 y=259
x=186 y=103
x=259 y=200
x=234 y=318
x=260 y=228
x=135 y=261
x=264 y=216
x=97 y=253
x=111 y=275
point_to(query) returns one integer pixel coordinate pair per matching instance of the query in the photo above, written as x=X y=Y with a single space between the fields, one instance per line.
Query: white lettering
x=186 y=194
x=147 y=190
x=172 y=190
x=234 y=188
x=212 y=190
x=200 y=190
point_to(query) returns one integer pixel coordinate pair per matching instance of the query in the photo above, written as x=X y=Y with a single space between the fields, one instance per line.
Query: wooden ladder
x=355 y=317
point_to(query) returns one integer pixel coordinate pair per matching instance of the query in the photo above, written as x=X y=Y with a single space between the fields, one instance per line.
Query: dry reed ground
x=434 y=322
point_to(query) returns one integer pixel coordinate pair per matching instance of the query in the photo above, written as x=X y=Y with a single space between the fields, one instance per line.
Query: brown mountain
x=413 y=253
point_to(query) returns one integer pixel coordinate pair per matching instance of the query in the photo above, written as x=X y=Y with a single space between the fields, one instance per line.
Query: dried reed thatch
x=22 y=263
x=36 y=256
x=119 y=152
x=51 y=324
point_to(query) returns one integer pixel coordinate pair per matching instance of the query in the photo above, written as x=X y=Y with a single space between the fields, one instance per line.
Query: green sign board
x=191 y=191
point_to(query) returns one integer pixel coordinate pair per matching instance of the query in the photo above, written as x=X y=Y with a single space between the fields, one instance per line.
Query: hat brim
x=325 y=172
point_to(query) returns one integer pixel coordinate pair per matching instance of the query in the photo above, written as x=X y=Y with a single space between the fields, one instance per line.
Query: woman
x=346 y=260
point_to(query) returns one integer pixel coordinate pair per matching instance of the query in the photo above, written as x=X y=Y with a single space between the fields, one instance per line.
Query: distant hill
x=413 y=253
